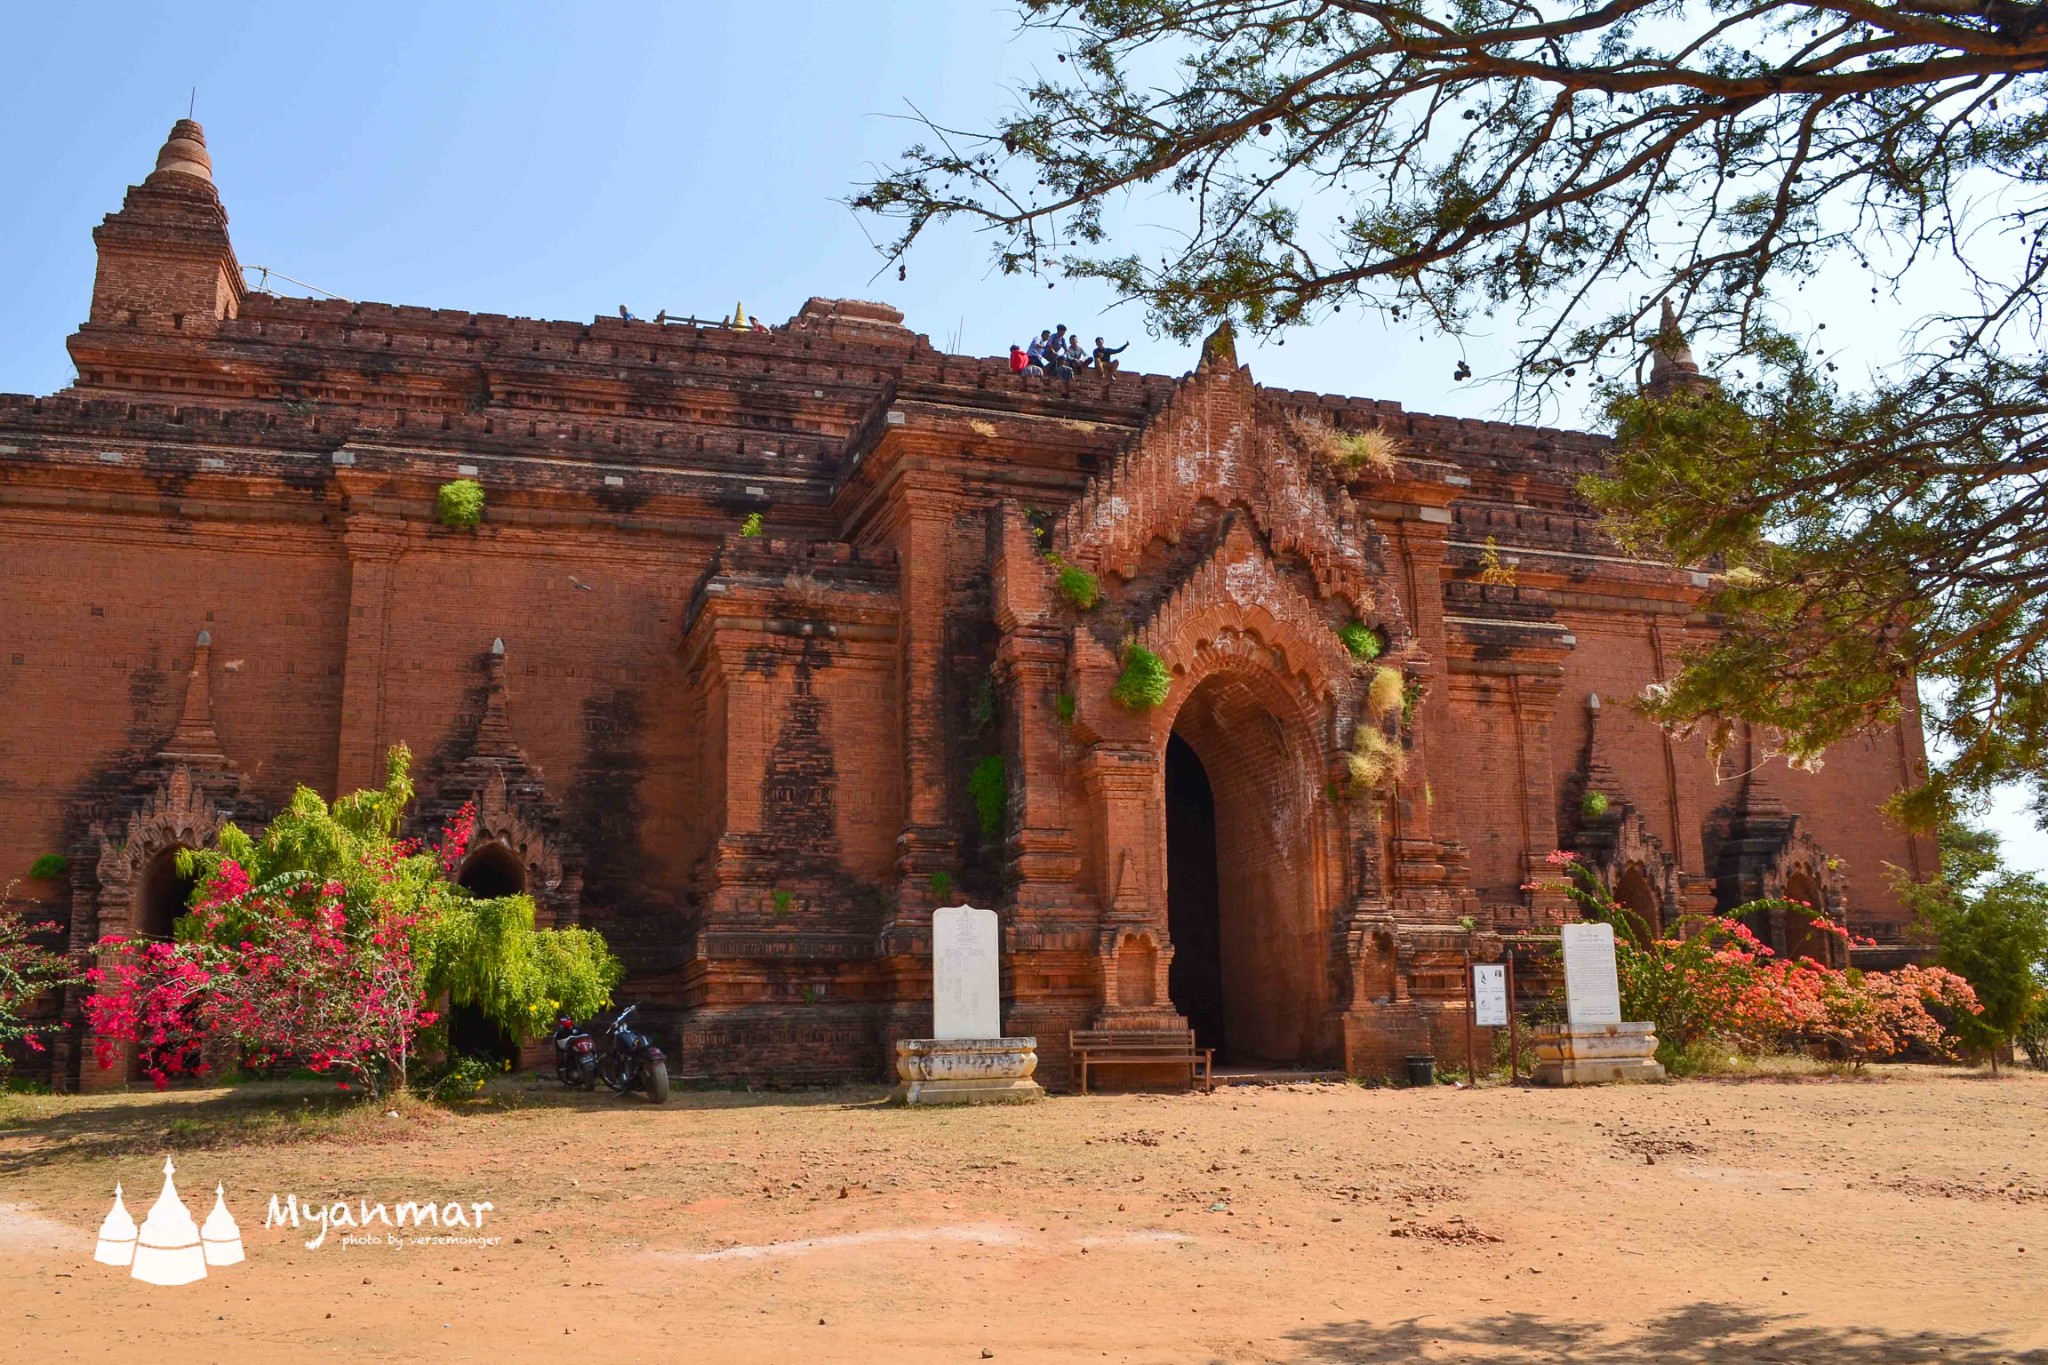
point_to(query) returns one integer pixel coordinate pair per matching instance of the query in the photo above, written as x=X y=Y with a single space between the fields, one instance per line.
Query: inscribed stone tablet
x=1490 y=994
x=1592 y=994
x=967 y=986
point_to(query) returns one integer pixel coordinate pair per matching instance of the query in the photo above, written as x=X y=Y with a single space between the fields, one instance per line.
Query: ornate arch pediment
x=1218 y=442
x=1235 y=591
x=179 y=813
x=1800 y=854
x=500 y=820
x=488 y=769
x=1621 y=840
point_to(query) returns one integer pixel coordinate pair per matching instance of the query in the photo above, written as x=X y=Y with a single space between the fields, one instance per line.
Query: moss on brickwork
x=49 y=867
x=989 y=784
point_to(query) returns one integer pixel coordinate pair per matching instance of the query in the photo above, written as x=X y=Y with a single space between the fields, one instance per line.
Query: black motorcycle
x=575 y=1055
x=631 y=1061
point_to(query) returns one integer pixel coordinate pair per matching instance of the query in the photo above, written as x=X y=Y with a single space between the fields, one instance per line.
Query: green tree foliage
x=1451 y=163
x=460 y=505
x=1144 y=682
x=480 y=952
x=1992 y=926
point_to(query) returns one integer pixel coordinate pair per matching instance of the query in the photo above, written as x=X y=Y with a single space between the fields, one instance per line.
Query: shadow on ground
x=38 y=1132
x=1702 y=1334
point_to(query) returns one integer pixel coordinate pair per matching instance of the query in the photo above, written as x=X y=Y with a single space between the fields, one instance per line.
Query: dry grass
x=1375 y=760
x=1351 y=453
x=1386 y=691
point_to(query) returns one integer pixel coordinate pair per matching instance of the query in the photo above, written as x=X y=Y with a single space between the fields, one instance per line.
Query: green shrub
x=1079 y=586
x=49 y=867
x=1593 y=805
x=990 y=787
x=1144 y=682
x=750 y=525
x=462 y=1079
x=460 y=505
x=1362 y=640
x=941 y=886
x=782 y=900
x=1065 y=707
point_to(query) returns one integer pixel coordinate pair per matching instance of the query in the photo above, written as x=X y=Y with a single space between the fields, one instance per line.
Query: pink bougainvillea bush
x=29 y=973
x=325 y=941
x=1709 y=978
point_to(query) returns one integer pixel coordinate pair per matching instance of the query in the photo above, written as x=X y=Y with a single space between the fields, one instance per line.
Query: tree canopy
x=1575 y=168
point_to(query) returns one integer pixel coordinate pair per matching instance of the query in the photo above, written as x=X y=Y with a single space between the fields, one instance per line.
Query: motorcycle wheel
x=617 y=1077
x=657 y=1082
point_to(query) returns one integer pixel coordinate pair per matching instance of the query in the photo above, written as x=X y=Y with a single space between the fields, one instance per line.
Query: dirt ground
x=1897 y=1217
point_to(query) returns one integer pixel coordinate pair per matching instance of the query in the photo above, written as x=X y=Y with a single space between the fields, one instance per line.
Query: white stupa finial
x=221 y=1236
x=167 y=1249
x=117 y=1235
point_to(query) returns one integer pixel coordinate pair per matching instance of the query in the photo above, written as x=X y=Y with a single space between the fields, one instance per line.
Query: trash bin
x=1422 y=1071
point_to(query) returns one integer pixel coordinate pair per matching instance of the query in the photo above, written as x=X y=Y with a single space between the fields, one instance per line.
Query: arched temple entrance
x=491 y=870
x=162 y=895
x=1802 y=937
x=1248 y=970
x=1634 y=892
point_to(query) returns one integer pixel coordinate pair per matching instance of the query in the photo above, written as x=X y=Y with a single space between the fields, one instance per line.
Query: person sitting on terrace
x=1037 y=352
x=1020 y=359
x=1056 y=362
x=1105 y=357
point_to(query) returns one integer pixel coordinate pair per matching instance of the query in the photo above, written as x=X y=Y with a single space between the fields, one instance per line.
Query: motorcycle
x=575 y=1056
x=631 y=1061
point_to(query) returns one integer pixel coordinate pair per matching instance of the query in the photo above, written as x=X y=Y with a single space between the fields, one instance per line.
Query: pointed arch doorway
x=1242 y=857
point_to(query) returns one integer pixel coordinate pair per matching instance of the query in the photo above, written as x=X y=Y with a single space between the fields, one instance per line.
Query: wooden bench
x=1142 y=1047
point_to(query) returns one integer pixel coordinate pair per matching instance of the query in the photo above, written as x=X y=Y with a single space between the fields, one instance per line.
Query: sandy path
x=1820 y=1221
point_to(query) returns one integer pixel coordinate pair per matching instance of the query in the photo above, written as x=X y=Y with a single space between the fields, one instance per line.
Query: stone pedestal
x=1594 y=1054
x=965 y=1070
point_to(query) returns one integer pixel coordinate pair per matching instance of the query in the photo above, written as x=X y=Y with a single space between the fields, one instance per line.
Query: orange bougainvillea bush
x=1708 y=978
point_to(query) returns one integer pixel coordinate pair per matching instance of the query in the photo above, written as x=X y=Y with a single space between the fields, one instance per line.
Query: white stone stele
x=1592 y=990
x=967 y=973
x=1595 y=1046
x=1568 y=1055
x=967 y=1059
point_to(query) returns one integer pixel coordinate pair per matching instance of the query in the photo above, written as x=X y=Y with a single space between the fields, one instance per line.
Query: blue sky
x=557 y=161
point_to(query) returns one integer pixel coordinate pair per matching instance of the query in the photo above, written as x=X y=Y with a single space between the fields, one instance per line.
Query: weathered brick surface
x=746 y=758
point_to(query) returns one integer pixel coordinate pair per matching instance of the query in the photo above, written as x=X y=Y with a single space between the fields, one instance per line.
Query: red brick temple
x=757 y=762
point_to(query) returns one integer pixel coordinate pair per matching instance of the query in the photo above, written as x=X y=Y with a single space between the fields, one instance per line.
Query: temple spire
x=183 y=154
x=494 y=731
x=1672 y=367
x=195 y=742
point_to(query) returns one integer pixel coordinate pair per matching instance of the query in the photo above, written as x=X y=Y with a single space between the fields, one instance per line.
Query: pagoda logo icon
x=169 y=1248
